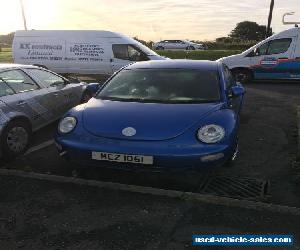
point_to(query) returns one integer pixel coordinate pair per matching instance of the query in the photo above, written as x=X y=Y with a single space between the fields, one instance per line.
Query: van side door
x=295 y=63
x=123 y=54
x=272 y=59
x=86 y=55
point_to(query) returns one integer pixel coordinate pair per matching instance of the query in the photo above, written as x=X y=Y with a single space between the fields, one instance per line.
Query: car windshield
x=163 y=86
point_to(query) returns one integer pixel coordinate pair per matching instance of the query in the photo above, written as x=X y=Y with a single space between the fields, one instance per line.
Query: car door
x=123 y=54
x=269 y=60
x=166 y=44
x=26 y=97
x=65 y=94
x=173 y=44
x=181 y=44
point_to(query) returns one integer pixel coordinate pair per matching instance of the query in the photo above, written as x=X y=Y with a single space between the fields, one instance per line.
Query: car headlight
x=67 y=124
x=211 y=133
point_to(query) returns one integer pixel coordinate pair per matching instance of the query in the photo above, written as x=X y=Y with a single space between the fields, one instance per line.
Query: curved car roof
x=4 y=66
x=175 y=64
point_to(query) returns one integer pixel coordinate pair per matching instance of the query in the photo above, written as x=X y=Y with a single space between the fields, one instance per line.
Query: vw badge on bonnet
x=129 y=131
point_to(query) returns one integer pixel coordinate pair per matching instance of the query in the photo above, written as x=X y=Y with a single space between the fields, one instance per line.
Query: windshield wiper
x=145 y=100
x=112 y=98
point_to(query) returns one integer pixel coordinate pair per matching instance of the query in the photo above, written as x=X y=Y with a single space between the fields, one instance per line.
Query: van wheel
x=86 y=96
x=15 y=138
x=242 y=75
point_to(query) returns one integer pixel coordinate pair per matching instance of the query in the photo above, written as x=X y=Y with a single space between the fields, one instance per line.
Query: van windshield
x=146 y=50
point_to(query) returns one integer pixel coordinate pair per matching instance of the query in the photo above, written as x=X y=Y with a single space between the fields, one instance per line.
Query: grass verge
x=6 y=54
x=198 y=54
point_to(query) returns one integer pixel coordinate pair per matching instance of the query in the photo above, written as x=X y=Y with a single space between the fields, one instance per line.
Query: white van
x=277 y=57
x=79 y=52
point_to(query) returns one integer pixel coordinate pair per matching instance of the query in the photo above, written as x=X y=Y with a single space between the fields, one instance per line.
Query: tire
x=86 y=96
x=160 y=48
x=15 y=138
x=243 y=75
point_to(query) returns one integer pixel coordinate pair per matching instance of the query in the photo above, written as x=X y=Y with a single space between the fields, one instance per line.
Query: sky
x=148 y=20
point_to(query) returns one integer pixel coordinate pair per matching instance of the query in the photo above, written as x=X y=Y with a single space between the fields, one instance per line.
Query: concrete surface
x=36 y=214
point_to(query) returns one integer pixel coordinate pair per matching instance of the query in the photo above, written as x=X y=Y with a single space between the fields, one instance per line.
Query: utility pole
x=23 y=14
x=268 y=31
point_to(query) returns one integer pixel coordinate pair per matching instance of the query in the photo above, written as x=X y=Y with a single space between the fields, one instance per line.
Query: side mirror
x=238 y=90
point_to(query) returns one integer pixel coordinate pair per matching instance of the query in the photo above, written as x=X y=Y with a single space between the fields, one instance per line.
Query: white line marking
x=39 y=147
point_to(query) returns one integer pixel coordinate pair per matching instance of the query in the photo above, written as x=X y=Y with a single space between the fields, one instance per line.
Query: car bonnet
x=147 y=121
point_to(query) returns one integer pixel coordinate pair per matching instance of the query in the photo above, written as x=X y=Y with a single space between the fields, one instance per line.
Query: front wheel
x=243 y=75
x=15 y=139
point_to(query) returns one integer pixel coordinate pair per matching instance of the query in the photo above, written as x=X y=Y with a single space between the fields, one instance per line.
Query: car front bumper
x=165 y=156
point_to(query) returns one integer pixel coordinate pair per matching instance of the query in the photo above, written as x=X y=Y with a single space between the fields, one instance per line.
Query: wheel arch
x=21 y=118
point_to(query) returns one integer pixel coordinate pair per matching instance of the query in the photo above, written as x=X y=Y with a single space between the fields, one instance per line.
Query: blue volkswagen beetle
x=171 y=114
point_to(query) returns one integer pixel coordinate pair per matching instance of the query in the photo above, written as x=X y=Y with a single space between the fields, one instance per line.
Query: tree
x=148 y=44
x=7 y=39
x=249 y=31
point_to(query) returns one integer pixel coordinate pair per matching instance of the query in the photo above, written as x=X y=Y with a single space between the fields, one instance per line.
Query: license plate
x=139 y=159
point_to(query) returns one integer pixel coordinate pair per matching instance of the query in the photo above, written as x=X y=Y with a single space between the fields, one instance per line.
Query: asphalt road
x=36 y=214
x=267 y=146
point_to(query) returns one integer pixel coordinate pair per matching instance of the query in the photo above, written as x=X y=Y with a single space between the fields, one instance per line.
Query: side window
x=128 y=52
x=5 y=89
x=279 y=46
x=120 y=51
x=18 y=81
x=46 y=78
x=230 y=81
x=262 y=50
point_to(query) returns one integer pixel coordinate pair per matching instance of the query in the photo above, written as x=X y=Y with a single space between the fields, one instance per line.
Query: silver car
x=178 y=44
x=30 y=98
